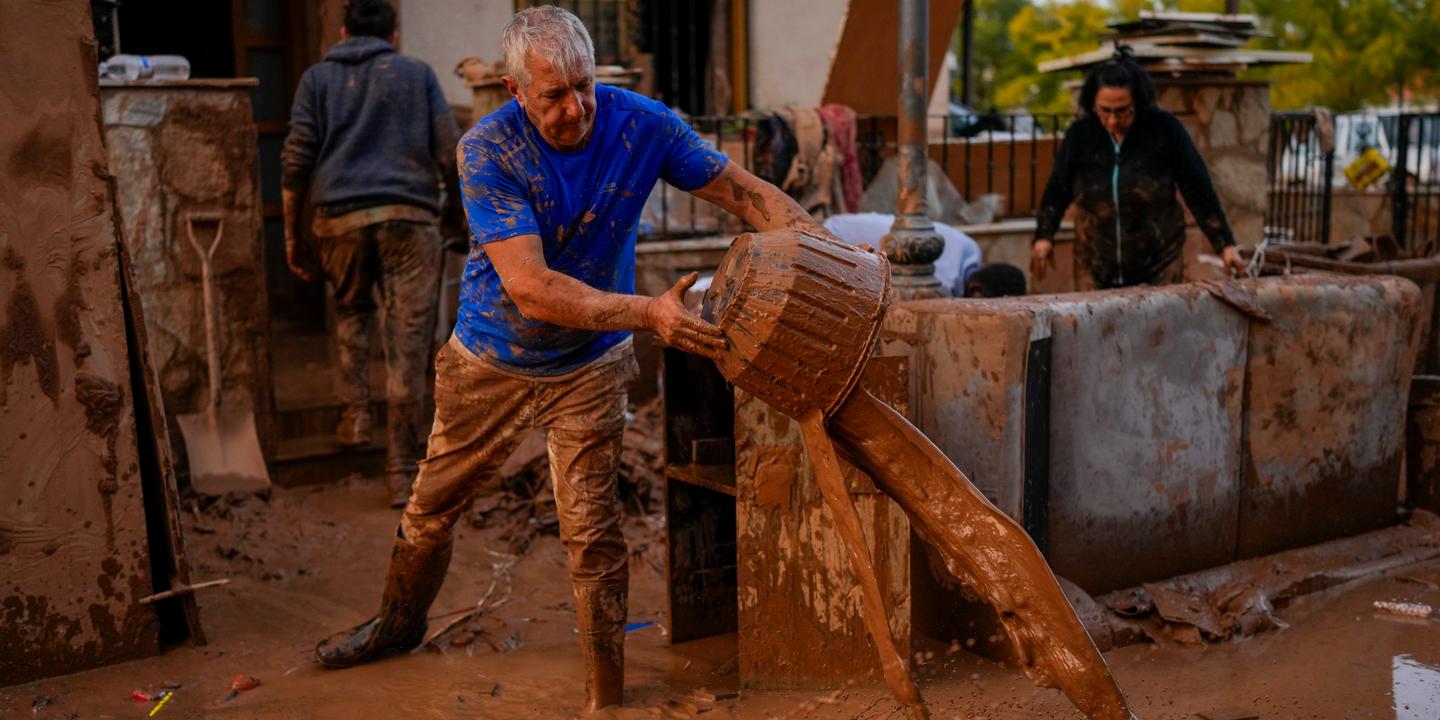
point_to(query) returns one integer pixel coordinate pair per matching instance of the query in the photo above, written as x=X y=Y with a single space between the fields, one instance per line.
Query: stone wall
x=1230 y=123
x=177 y=149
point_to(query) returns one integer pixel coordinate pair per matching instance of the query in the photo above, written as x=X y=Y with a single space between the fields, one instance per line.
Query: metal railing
x=1007 y=155
x=1302 y=176
x=1415 y=180
x=1299 y=180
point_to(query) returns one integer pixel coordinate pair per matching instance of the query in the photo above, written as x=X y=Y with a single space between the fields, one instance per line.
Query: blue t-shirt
x=585 y=206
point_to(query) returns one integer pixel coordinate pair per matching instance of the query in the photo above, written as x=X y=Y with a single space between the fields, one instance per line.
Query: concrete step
x=307 y=453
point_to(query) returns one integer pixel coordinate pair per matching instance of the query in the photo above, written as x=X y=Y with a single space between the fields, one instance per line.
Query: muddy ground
x=310 y=561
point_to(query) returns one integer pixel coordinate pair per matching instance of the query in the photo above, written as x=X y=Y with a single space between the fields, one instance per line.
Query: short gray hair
x=549 y=32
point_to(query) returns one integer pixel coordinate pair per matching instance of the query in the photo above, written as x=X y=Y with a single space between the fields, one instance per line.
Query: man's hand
x=678 y=328
x=1041 y=259
x=298 y=257
x=1233 y=264
x=298 y=254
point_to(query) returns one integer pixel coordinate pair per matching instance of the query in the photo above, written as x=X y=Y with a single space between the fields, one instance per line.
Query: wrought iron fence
x=1415 y=180
x=1299 y=180
x=1006 y=155
x=1302 y=175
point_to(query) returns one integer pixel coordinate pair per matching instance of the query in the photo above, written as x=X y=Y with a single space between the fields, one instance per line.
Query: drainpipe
x=913 y=245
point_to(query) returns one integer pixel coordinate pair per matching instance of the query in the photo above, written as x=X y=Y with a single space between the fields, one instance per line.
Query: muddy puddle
x=1337 y=659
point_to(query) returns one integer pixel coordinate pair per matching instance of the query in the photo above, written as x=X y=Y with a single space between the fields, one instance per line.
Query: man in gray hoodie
x=371 y=145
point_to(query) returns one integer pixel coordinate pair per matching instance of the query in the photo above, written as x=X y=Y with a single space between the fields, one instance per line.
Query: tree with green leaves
x=1366 y=52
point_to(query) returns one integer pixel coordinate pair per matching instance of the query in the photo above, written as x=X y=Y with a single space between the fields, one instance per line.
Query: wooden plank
x=1214 y=18
x=1175 y=53
x=700 y=577
x=1142 y=27
x=179 y=616
x=719 y=478
x=1192 y=38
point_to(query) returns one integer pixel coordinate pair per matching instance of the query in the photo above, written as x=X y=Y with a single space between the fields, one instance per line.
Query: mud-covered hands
x=678 y=327
x=298 y=255
x=1042 y=260
x=1233 y=264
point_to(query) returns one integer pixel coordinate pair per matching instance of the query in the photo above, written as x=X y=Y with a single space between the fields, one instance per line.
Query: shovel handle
x=207 y=282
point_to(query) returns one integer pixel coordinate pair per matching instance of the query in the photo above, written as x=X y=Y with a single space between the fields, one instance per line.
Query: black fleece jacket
x=370 y=127
x=1156 y=158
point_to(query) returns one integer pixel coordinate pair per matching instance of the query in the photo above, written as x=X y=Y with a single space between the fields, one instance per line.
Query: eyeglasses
x=1123 y=112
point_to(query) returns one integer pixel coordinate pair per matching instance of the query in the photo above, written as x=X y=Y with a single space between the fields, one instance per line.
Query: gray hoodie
x=369 y=127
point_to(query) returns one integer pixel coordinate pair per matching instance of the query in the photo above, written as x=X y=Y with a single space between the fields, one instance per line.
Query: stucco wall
x=441 y=32
x=790 y=48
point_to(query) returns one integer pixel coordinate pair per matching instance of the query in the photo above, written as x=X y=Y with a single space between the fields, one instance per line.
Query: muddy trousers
x=480 y=416
x=402 y=260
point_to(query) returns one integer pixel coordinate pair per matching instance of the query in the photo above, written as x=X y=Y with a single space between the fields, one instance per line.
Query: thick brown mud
x=312 y=560
x=983 y=548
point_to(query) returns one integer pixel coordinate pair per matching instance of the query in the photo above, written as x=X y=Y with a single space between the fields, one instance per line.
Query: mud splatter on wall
x=800 y=619
x=73 y=554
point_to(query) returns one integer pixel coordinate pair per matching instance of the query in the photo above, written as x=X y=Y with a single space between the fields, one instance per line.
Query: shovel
x=221 y=443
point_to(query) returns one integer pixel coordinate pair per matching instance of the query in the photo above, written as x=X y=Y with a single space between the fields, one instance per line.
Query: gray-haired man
x=553 y=185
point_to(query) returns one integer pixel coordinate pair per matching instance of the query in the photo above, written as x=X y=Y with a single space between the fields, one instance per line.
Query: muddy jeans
x=402 y=259
x=480 y=415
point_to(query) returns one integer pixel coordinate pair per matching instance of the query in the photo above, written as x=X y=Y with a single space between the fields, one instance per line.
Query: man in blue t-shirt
x=553 y=185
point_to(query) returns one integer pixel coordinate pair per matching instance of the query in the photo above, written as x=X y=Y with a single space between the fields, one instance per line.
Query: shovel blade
x=224 y=457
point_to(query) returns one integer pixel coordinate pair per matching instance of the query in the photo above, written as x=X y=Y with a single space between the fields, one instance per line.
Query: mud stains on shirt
x=584 y=205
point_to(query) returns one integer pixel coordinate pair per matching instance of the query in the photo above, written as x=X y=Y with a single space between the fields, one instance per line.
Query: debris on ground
x=525 y=505
x=1420 y=611
x=151 y=693
x=1240 y=599
x=466 y=628
x=238 y=684
x=240 y=506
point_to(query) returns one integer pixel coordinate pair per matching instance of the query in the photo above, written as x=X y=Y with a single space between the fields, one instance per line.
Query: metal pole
x=913 y=245
x=967 y=33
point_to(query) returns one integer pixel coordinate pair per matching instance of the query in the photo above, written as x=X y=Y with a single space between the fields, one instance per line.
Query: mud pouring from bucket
x=801 y=314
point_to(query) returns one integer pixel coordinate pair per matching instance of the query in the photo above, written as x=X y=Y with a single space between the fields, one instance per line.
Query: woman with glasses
x=1121 y=163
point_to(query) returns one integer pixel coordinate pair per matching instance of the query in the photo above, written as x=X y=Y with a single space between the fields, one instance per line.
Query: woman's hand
x=1041 y=260
x=1233 y=264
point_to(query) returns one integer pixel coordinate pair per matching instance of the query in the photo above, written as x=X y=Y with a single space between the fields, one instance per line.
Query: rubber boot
x=411 y=584
x=601 y=611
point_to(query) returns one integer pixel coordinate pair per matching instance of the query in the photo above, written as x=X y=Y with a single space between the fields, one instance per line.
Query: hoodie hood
x=358 y=50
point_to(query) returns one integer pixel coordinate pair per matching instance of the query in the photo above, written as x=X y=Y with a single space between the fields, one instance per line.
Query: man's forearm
x=555 y=297
x=760 y=204
x=290 y=202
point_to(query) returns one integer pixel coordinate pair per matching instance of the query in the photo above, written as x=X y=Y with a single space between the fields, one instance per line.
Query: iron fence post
x=1399 y=173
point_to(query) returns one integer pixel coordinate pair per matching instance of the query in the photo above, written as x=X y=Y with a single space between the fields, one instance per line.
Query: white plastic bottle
x=139 y=67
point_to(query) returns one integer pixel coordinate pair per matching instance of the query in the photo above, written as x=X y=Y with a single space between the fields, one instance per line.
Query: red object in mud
x=140 y=696
x=243 y=682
